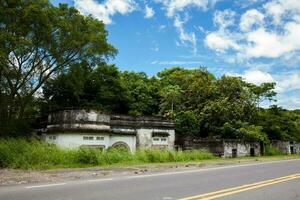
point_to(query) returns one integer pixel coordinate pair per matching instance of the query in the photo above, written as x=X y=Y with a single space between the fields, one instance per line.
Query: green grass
x=34 y=154
x=23 y=154
x=273 y=151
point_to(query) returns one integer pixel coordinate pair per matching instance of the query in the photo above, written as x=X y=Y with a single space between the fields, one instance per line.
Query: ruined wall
x=70 y=120
x=145 y=128
x=145 y=138
x=69 y=126
x=75 y=140
x=242 y=148
x=216 y=147
x=287 y=147
x=297 y=147
x=222 y=148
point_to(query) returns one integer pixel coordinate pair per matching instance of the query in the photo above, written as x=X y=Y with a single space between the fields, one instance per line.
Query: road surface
x=269 y=180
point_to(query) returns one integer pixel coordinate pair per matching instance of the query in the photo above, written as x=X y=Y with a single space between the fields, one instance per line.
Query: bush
x=273 y=151
x=34 y=154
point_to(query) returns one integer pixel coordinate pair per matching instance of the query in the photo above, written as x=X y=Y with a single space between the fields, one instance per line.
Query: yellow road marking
x=234 y=190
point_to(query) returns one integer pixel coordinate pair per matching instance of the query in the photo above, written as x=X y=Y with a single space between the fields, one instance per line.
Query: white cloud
x=185 y=37
x=219 y=41
x=224 y=19
x=149 y=12
x=288 y=82
x=174 y=6
x=279 y=9
x=105 y=10
x=270 y=31
x=250 y=19
x=257 y=77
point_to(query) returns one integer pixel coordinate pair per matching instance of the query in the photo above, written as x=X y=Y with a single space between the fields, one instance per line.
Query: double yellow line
x=234 y=190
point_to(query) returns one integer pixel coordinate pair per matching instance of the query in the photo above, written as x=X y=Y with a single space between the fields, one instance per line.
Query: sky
x=258 y=40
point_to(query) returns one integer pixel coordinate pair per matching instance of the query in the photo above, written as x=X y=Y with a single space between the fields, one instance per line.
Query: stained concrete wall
x=287 y=146
x=222 y=148
x=243 y=148
x=69 y=126
x=145 y=138
x=75 y=140
x=216 y=147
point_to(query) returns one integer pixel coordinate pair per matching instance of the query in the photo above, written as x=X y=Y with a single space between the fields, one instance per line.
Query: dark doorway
x=252 y=151
x=292 y=149
x=262 y=149
x=234 y=153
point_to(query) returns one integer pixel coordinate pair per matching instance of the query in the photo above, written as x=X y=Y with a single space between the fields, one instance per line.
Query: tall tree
x=141 y=92
x=38 y=41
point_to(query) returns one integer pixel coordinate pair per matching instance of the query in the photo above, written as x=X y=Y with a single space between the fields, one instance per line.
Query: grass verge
x=22 y=154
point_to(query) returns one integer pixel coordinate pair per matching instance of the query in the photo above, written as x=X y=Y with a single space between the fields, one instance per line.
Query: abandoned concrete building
x=223 y=147
x=287 y=147
x=75 y=128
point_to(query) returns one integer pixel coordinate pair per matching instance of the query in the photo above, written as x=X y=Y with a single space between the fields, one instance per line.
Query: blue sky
x=256 y=39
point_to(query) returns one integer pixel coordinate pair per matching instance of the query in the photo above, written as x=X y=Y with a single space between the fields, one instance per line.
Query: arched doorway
x=121 y=146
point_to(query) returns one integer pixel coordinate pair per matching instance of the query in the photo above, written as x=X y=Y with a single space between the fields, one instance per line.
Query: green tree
x=141 y=93
x=170 y=98
x=187 y=124
x=280 y=124
x=263 y=92
x=39 y=41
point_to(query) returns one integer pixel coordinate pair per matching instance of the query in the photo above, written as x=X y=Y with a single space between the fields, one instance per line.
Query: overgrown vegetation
x=64 y=54
x=272 y=151
x=22 y=154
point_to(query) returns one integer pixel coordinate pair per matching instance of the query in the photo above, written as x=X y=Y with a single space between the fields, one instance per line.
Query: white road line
x=209 y=169
x=48 y=185
x=99 y=180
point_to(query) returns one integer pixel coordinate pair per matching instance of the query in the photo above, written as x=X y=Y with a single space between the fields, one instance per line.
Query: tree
x=99 y=88
x=186 y=124
x=280 y=124
x=231 y=103
x=67 y=89
x=262 y=92
x=141 y=93
x=170 y=97
x=39 y=41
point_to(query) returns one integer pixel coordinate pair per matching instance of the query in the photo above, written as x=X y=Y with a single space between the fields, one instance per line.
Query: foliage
x=170 y=97
x=186 y=123
x=54 y=57
x=280 y=124
x=272 y=151
x=39 y=41
x=20 y=153
x=141 y=93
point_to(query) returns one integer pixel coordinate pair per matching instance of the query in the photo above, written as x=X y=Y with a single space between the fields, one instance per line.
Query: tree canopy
x=54 y=58
x=38 y=41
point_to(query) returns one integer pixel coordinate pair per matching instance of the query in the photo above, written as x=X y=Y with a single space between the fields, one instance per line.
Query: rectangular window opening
x=100 y=138
x=88 y=138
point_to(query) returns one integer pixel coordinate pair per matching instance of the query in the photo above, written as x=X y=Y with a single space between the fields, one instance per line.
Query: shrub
x=87 y=155
x=272 y=151
x=34 y=154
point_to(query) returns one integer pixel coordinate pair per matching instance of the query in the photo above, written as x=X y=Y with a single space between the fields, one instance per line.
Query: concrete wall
x=216 y=147
x=145 y=138
x=243 y=148
x=75 y=140
x=78 y=120
x=222 y=148
x=69 y=127
x=287 y=146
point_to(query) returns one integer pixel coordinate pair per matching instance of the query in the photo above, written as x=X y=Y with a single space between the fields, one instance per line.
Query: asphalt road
x=270 y=180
